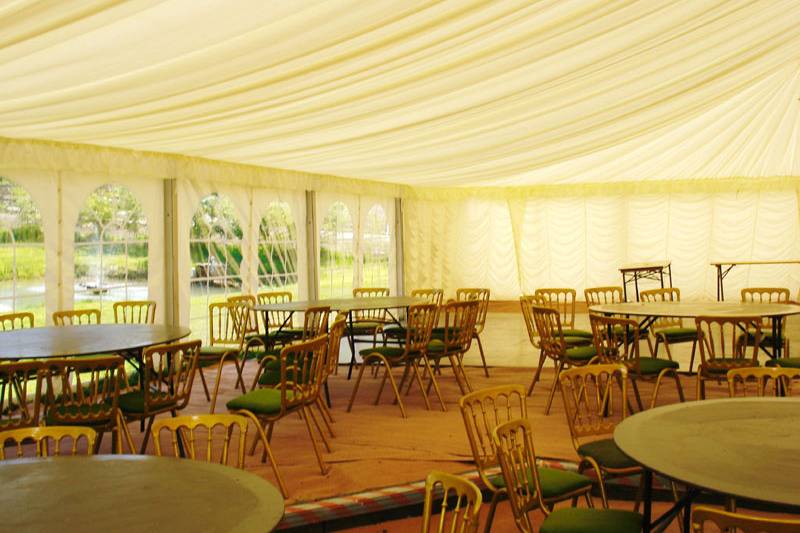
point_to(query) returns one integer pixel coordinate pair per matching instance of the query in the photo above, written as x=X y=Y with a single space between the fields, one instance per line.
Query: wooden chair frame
x=780 y=378
x=727 y=521
x=278 y=319
x=41 y=436
x=769 y=295
x=459 y=326
x=11 y=321
x=526 y=303
x=431 y=296
x=248 y=302
x=76 y=317
x=482 y=296
x=183 y=434
x=225 y=321
x=722 y=347
x=363 y=319
x=603 y=295
x=460 y=497
x=20 y=403
x=331 y=363
x=667 y=294
x=135 y=312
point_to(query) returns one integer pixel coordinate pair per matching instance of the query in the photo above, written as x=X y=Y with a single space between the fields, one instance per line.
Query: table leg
x=661 y=274
x=352 y=341
x=669 y=271
x=720 y=294
x=624 y=288
x=636 y=285
x=647 y=499
x=777 y=333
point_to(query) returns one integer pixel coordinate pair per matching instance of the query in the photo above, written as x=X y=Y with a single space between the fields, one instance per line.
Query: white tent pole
x=399 y=271
x=312 y=270
x=171 y=282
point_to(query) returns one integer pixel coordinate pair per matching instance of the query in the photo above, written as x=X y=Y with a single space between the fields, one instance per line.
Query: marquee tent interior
x=185 y=151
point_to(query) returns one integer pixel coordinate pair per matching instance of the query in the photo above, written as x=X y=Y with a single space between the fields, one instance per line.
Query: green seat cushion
x=366 y=327
x=581 y=353
x=606 y=453
x=577 y=341
x=259 y=401
x=723 y=364
x=570 y=332
x=436 y=346
x=133 y=402
x=387 y=351
x=395 y=331
x=217 y=351
x=55 y=415
x=651 y=365
x=438 y=333
x=554 y=481
x=788 y=362
x=585 y=520
x=677 y=334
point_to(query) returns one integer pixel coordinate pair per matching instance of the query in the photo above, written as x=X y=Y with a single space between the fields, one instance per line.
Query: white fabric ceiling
x=422 y=93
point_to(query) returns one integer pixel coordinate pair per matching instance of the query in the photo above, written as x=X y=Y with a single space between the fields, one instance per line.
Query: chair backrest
x=762 y=381
x=460 y=504
x=302 y=370
x=431 y=296
x=135 y=312
x=517 y=457
x=560 y=299
x=421 y=319
x=547 y=323
x=483 y=411
x=526 y=302
x=766 y=295
x=370 y=315
x=247 y=303
x=741 y=523
x=460 y=318
x=20 y=394
x=315 y=322
x=723 y=337
x=48 y=440
x=276 y=318
x=603 y=295
x=482 y=296
x=334 y=341
x=169 y=374
x=76 y=317
x=9 y=321
x=616 y=340
x=224 y=320
x=213 y=443
x=667 y=294
x=594 y=400
x=83 y=390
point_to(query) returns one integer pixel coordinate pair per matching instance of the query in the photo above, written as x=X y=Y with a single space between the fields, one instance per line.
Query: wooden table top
x=345 y=304
x=695 y=309
x=745 y=447
x=757 y=262
x=134 y=493
x=64 y=341
x=645 y=266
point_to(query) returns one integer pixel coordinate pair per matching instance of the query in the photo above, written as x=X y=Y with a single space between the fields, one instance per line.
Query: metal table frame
x=723 y=267
x=652 y=271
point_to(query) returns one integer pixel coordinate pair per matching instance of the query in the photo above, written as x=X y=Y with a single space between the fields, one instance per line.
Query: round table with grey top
x=134 y=493
x=740 y=447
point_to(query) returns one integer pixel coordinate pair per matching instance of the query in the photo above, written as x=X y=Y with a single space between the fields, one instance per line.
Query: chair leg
x=658 y=343
x=637 y=395
x=542 y=359
x=205 y=385
x=327 y=444
x=268 y=450
x=429 y=371
x=383 y=383
x=126 y=432
x=325 y=415
x=216 y=384
x=356 y=384
x=492 y=508
x=147 y=434
x=415 y=368
x=559 y=366
x=483 y=357
x=600 y=480
x=691 y=360
x=323 y=468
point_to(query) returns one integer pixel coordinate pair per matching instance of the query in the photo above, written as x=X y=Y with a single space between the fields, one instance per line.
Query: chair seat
x=571 y=332
x=585 y=520
x=64 y=416
x=439 y=333
x=766 y=337
x=653 y=366
x=577 y=341
x=607 y=454
x=390 y=352
x=207 y=352
x=395 y=331
x=581 y=353
x=133 y=402
x=554 y=481
x=677 y=334
x=259 y=401
x=721 y=365
x=787 y=362
x=366 y=328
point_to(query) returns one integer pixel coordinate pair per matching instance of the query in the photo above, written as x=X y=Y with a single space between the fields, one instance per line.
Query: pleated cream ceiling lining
x=463 y=93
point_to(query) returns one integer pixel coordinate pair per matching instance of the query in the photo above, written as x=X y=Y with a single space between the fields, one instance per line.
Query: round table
x=134 y=493
x=742 y=447
x=66 y=341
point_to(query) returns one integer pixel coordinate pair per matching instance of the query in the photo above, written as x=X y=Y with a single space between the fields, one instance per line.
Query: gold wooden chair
x=168 y=374
x=460 y=318
x=11 y=321
x=668 y=330
x=483 y=411
x=47 y=440
x=279 y=329
x=20 y=394
x=482 y=296
x=248 y=303
x=301 y=367
x=368 y=323
x=563 y=301
x=603 y=295
x=76 y=317
x=409 y=355
x=741 y=523
x=200 y=435
x=595 y=401
x=331 y=363
x=722 y=347
x=135 y=312
x=459 y=496
x=84 y=391
x=768 y=295
x=226 y=345
x=616 y=340
x=515 y=450
x=555 y=347
x=431 y=296
x=759 y=381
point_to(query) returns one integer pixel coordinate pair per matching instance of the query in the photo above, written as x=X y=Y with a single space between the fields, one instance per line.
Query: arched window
x=277 y=250
x=215 y=245
x=375 y=249
x=336 y=245
x=110 y=250
x=22 y=257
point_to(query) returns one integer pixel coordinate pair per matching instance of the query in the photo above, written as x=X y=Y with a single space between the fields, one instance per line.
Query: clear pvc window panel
x=277 y=250
x=336 y=252
x=375 y=248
